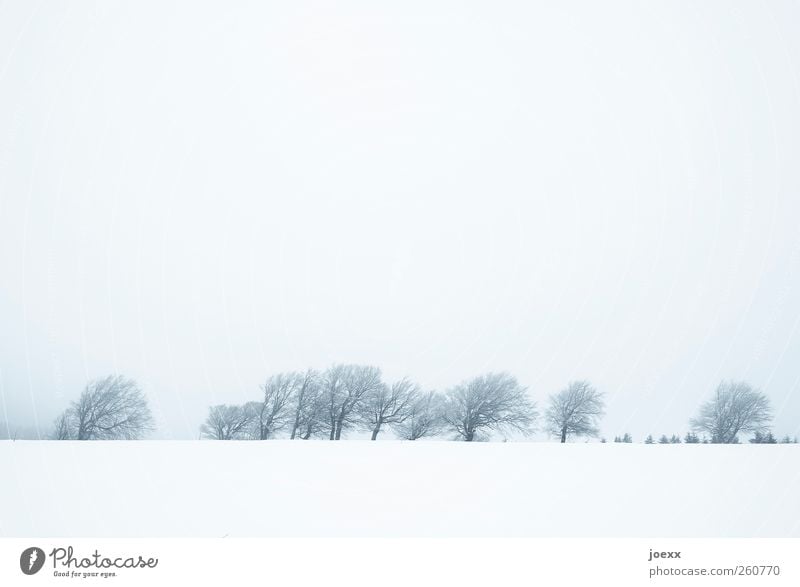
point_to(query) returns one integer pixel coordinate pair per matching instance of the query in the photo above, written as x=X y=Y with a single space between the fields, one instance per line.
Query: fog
x=198 y=195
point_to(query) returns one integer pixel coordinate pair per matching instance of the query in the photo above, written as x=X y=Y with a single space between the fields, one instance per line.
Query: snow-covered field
x=282 y=488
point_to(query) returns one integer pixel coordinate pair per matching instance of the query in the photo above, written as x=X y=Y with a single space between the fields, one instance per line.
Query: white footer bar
x=441 y=562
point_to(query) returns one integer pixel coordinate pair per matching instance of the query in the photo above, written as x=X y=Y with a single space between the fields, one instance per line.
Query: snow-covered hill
x=318 y=488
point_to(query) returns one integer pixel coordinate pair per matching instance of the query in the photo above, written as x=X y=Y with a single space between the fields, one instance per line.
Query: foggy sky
x=199 y=194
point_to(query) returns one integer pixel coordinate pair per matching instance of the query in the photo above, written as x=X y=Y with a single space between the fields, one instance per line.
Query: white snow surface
x=390 y=488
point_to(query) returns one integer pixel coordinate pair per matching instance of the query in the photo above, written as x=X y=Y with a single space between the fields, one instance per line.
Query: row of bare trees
x=345 y=397
x=314 y=404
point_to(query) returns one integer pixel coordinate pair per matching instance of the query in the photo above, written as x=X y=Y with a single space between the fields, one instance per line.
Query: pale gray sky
x=200 y=194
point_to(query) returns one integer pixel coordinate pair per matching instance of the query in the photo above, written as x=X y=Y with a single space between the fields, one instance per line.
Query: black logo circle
x=31 y=560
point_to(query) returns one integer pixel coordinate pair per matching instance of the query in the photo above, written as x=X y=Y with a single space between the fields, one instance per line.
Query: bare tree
x=273 y=412
x=386 y=404
x=228 y=422
x=736 y=407
x=63 y=427
x=574 y=411
x=110 y=408
x=333 y=395
x=309 y=407
x=314 y=421
x=495 y=401
x=424 y=417
x=344 y=388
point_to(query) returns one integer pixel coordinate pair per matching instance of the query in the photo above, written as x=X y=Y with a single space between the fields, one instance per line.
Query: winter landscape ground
x=389 y=488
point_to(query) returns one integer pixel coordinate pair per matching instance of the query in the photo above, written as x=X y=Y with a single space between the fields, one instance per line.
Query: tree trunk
x=376 y=430
x=339 y=425
x=469 y=436
x=297 y=411
x=564 y=434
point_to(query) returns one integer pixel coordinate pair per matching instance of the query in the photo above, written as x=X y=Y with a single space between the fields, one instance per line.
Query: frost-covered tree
x=735 y=407
x=273 y=412
x=649 y=439
x=663 y=439
x=574 y=411
x=691 y=438
x=228 y=422
x=491 y=402
x=333 y=395
x=388 y=404
x=110 y=408
x=63 y=428
x=424 y=418
x=309 y=407
x=344 y=388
